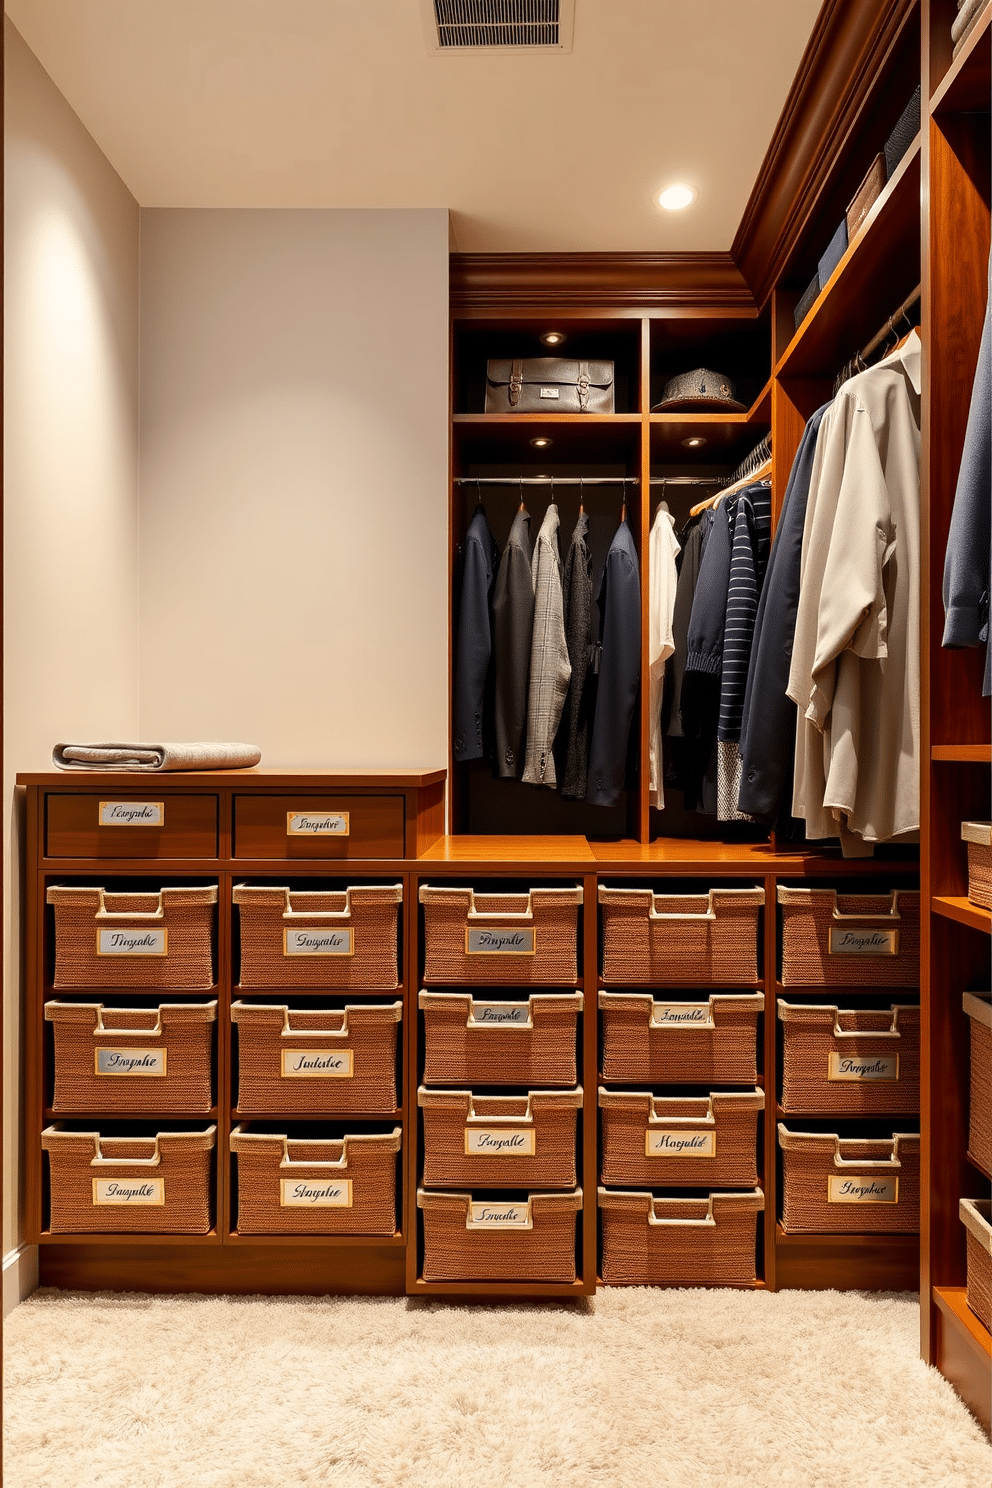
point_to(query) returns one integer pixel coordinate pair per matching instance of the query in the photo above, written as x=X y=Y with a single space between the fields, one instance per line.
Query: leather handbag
x=866 y=196
x=548 y=385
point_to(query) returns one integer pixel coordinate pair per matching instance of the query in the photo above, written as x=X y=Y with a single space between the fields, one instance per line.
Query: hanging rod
x=889 y=327
x=588 y=480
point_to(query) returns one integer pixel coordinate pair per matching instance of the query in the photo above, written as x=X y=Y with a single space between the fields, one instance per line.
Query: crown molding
x=597 y=281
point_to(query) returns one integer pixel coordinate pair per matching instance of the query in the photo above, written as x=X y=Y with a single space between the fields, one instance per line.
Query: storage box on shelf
x=851 y=1184
x=501 y=939
x=850 y=1061
x=149 y=824
x=477 y=1239
x=468 y=1041
x=979 y=1013
x=706 y=1041
x=680 y=1141
x=316 y=1061
x=127 y=1184
x=105 y=939
x=313 y=1185
x=976 y=1216
x=129 y=1060
x=683 y=1242
x=318 y=827
x=500 y=1141
x=303 y=938
x=682 y=940
x=978 y=836
x=834 y=939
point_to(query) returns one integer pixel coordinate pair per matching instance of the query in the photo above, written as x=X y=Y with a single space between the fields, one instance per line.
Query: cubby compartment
x=130 y=1178
x=678 y=1241
x=318 y=937
x=680 y=1141
x=849 y=1061
x=316 y=1061
x=135 y=937
x=315 y=1180
x=471 y=1237
x=681 y=1038
x=156 y=1059
x=526 y=1141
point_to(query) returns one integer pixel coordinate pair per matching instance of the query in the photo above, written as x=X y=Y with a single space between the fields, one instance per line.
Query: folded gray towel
x=155 y=757
x=968 y=13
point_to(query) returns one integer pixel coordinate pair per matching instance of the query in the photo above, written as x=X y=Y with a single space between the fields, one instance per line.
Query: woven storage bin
x=683 y=940
x=817 y=945
x=471 y=1042
x=818 y=1169
x=976 y=1216
x=316 y=1186
x=529 y=1240
x=709 y=1241
x=850 y=1062
x=134 y=940
x=714 y=1042
x=979 y=1012
x=499 y=1141
x=304 y=939
x=978 y=836
x=705 y=1141
x=514 y=940
x=316 y=1061
x=129 y=1185
x=153 y=1059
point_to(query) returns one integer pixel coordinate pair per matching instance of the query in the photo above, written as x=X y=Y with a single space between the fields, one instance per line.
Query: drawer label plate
x=863 y=1068
x=315 y=1193
x=318 y=823
x=132 y=942
x=131 y=1061
x=132 y=814
x=500 y=942
x=317 y=1064
x=318 y=942
x=499 y=1217
x=862 y=1190
x=500 y=1015
x=863 y=942
x=670 y=1143
x=494 y=1141
x=129 y=1193
x=681 y=1015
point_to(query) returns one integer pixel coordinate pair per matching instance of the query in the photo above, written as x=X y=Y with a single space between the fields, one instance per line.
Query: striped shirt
x=750 y=517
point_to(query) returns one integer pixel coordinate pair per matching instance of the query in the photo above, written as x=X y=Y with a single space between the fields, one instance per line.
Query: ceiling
x=339 y=103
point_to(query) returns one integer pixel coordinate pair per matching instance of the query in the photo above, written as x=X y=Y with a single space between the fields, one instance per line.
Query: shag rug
x=634 y=1389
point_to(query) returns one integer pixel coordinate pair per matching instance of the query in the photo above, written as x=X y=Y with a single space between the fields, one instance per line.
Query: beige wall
x=293 y=473
x=70 y=477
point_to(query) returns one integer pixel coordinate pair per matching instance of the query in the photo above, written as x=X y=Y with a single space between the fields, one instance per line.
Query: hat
x=701 y=389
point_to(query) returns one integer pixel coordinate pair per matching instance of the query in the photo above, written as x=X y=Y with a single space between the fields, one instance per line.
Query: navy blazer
x=619 y=601
x=473 y=639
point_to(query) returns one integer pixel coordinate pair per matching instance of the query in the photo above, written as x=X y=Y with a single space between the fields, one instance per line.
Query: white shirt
x=663 y=577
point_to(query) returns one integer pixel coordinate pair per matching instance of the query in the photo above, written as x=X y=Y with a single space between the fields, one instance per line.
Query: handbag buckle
x=516 y=382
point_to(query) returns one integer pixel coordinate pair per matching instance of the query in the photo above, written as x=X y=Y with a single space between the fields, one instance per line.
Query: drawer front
x=134 y=824
x=318 y=827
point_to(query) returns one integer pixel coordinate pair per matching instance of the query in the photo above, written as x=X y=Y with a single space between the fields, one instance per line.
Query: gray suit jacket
x=573 y=736
x=550 y=669
x=513 y=606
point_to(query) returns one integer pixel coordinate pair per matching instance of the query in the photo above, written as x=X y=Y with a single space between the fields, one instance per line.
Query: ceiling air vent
x=489 y=25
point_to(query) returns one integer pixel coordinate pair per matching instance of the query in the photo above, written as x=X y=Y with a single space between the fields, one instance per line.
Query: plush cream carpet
x=637 y=1389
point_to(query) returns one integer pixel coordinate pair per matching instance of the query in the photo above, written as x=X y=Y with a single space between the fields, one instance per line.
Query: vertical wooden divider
x=589 y=1068
x=411 y=1044
x=34 y=1031
x=644 y=506
x=226 y=1221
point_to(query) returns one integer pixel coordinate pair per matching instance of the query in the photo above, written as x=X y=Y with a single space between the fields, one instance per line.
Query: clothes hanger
x=762 y=472
x=521 y=507
x=582 y=504
x=623 y=504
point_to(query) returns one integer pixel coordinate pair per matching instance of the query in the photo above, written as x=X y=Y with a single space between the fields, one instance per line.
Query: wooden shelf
x=164 y=1117
x=901 y=1242
x=874 y=276
x=270 y=992
x=316 y=1241
x=592 y=438
x=728 y=436
x=974 y=754
x=490 y=1289
x=497 y=851
x=966 y=86
x=953 y=1303
x=125 y=1237
x=760 y=411
x=963 y=911
x=310 y=1117
x=838 y=993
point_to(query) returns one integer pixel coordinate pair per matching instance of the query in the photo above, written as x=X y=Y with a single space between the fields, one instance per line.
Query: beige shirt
x=663 y=551
x=855 y=674
x=550 y=668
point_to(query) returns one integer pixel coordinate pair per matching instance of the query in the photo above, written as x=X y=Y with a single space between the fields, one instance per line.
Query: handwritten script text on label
x=131 y=1061
x=129 y=1192
x=320 y=1193
x=863 y=1067
x=682 y=1014
x=497 y=1142
x=501 y=1014
x=318 y=823
x=499 y=1217
x=679 y=1144
x=132 y=942
x=499 y=942
x=862 y=1190
x=318 y=1064
x=864 y=942
x=132 y=813
x=318 y=942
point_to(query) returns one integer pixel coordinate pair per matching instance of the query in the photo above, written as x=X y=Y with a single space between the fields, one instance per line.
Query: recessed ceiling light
x=696 y=441
x=540 y=441
x=674 y=198
x=552 y=338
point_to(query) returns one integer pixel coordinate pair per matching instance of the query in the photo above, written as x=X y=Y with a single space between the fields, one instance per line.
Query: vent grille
x=498 y=23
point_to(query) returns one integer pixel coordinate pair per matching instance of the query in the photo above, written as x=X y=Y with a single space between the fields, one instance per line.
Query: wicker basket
x=129 y=1185
x=849 y=1185
x=680 y=1141
x=850 y=1062
x=684 y=940
x=976 y=1216
x=134 y=940
x=979 y=1012
x=319 y=1062
x=709 y=1241
x=469 y=1042
x=978 y=836
x=711 y=1042
x=132 y=1060
x=515 y=940
x=850 y=940
x=316 y=1186
x=305 y=939
x=499 y=1141
x=532 y=1239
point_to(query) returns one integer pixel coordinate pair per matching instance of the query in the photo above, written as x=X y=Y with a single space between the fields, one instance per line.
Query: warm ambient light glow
x=551 y=338
x=540 y=441
x=695 y=442
x=674 y=198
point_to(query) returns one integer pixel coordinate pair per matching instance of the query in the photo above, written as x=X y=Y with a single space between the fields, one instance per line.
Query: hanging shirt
x=750 y=515
x=619 y=601
x=513 y=622
x=693 y=539
x=473 y=644
x=967 y=562
x=855 y=673
x=549 y=665
x=704 y=664
x=573 y=734
x=663 y=582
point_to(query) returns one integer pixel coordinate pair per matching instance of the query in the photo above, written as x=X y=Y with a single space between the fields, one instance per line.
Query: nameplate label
x=132 y=942
x=131 y=1061
x=499 y=943
x=315 y=1193
x=318 y=942
x=496 y=1142
x=862 y=1190
x=681 y=1015
x=501 y=1014
x=864 y=942
x=679 y=1143
x=318 y=1064
x=132 y=813
x=550 y=393
x=499 y=1217
x=862 y=1068
x=129 y=1193
x=318 y=823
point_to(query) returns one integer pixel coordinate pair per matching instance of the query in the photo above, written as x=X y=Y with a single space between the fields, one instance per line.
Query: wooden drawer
x=305 y=827
x=109 y=826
